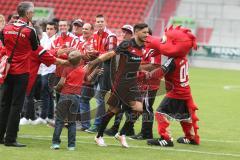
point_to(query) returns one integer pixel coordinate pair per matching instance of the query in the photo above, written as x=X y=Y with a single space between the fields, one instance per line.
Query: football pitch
x=217 y=93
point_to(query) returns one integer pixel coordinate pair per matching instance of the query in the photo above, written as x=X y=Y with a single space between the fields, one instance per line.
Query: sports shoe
x=55 y=146
x=122 y=140
x=52 y=121
x=185 y=140
x=110 y=132
x=39 y=121
x=139 y=136
x=92 y=129
x=24 y=121
x=71 y=148
x=160 y=142
x=100 y=141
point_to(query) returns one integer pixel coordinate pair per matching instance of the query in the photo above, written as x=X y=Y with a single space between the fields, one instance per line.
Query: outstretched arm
x=101 y=58
x=167 y=67
x=60 y=84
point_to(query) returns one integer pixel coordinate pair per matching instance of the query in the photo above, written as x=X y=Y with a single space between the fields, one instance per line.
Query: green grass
x=219 y=129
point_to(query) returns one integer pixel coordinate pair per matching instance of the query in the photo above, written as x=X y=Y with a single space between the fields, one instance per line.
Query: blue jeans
x=47 y=98
x=86 y=95
x=99 y=95
x=67 y=109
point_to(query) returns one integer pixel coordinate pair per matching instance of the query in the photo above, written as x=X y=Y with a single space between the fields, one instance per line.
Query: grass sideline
x=215 y=91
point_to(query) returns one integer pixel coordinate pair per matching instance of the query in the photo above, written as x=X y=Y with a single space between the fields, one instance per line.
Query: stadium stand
x=118 y=13
x=217 y=20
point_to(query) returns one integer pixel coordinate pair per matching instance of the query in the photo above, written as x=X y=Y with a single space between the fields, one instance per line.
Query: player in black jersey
x=124 y=88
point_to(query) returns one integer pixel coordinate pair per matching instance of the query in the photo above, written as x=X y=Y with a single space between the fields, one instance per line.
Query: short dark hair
x=23 y=7
x=140 y=26
x=52 y=23
x=150 y=31
x=99 y=16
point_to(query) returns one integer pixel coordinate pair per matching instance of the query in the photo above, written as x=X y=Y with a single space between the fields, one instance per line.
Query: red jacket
x=104 y=41
x=27 y=42
x=37 y=57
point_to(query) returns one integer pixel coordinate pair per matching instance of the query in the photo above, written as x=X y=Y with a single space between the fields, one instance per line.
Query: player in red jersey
x=178 y=102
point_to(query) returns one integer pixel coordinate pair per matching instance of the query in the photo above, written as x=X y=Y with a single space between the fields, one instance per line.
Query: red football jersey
x=152 y=83
x=74 y=79
x=84 y=46
x=104 y=41
x=64 y=41
x=177 y=79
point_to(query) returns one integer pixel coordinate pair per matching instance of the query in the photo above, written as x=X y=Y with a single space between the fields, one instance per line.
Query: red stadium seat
x=117 y=12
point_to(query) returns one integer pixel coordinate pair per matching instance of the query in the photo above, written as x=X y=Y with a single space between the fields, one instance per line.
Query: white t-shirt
x=46 y=42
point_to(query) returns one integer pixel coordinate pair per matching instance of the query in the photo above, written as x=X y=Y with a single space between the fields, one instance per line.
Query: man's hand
x=144 y=75
x=96 y=71
x=57 y=88
x=62 y=62
x=93 y=64
x=91 y=55
x=64 y=50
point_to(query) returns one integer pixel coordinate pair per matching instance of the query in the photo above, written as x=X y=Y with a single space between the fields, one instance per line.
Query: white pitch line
x=151 y=148
x=107 y=137
x=231 y=87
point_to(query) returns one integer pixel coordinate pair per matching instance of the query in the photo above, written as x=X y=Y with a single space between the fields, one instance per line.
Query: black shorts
x=174 y=108
x=105 y=80
x=123 y=96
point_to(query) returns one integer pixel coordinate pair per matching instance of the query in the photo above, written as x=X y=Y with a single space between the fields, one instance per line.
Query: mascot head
x=176 y=42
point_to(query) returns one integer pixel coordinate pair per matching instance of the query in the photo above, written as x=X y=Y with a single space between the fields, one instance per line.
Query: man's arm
x=149 y=67
x=48 y=58
x=34 y=39
x=92 y=75
x=167 y=67
x=101 y=58
x=60 y=84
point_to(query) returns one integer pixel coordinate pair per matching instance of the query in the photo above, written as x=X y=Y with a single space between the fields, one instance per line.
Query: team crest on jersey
x=136 y=58
x=133 y=51
x=181 y=62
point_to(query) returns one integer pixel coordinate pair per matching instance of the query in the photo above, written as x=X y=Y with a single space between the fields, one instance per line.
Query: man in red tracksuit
x=16 y=81
x=64 y=41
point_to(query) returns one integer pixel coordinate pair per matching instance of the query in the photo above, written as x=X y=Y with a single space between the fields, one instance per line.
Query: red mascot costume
x=178 y=104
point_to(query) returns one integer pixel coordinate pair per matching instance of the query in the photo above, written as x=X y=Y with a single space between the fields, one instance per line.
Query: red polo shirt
x=74 y=79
